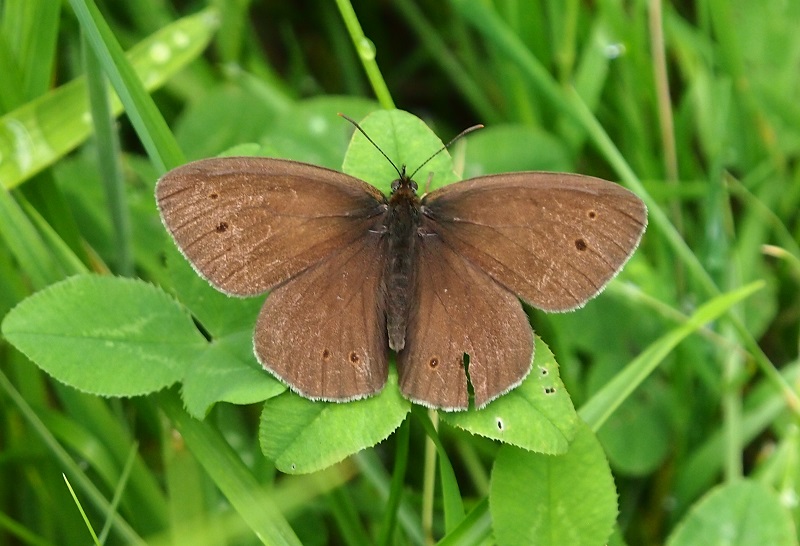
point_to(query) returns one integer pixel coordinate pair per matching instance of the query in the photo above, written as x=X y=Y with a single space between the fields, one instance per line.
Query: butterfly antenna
x=357 y=126
x=465 y=132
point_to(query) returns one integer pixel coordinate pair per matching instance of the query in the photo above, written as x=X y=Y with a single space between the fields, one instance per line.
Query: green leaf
x=475 y=528
x=511 y=148
x=235 y=114
x=25 y=243
x=737 y=514
x=608 y=399
x=406 y=141
x=553 y=500
x=227 y=371
x=41 y=131
x=452 y=502
x=105 y=335
x=302 y=436
x=151 y=128
x=637 y=437
x=537 y=416
x=311 y=130
x=257 y=507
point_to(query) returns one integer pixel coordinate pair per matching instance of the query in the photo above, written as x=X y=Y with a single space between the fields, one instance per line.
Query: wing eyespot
x=222 y=227
x=580 y=244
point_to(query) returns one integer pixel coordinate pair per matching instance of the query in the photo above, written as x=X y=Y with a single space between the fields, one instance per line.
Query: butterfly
x=437 y=278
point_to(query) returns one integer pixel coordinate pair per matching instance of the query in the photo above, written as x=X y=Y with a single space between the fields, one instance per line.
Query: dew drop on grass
x=614 y=51
x=160 y=53
x=366 y=49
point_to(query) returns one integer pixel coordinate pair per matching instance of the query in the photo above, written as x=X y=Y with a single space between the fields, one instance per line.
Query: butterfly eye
x=413 y=185
x=395 y=185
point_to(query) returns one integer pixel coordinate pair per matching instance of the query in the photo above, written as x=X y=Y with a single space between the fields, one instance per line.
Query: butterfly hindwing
x=458 y=309
x=324 y=333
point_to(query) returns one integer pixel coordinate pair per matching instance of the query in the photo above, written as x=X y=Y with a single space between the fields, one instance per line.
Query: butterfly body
x=352 y=274
x=402 y=223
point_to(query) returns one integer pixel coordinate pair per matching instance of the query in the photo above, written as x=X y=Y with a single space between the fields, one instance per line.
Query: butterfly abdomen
x=402 y=222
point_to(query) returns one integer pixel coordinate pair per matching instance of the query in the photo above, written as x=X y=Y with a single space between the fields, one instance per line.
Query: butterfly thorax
x=402 y=223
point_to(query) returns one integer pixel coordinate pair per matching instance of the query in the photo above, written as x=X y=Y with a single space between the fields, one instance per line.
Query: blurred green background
x=693 y=105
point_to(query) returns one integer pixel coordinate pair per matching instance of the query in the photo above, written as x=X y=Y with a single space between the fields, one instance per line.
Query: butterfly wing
x=324 y=333
x=248 y=224
x=553 y=239
x=459 y=309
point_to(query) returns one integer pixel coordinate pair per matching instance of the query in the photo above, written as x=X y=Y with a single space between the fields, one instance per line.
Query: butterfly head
x=404 y=183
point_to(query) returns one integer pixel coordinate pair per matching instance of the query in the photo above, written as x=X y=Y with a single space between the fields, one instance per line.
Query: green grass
x=684 y=371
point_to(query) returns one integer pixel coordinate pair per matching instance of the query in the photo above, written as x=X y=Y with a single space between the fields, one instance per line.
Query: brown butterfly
x=353 y=273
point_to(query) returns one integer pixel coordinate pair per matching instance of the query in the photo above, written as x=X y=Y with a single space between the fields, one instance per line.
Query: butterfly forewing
x=460 y=310
x=324 y=333
x=553 y=239
x=248 y=224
